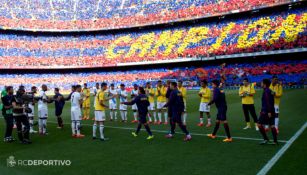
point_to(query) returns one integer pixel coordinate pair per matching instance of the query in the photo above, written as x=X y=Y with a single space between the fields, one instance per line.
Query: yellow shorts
x=86 y=104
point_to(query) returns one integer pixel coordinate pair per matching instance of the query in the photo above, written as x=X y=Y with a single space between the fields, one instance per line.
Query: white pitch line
x=160 y=131
x=278 y=155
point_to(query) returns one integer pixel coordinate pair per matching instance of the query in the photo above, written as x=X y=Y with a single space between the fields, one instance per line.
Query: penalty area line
x=161 y=131
x=281 y=152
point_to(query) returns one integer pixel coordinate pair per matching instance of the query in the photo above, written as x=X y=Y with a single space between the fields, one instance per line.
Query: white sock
x=94 y=130
x=155 y=116
x=125 y=114
x=101 y=127
x=40 y=124
x=209 y=120
x=122 y=115
x=115 y=115
x=135 y=115
x=44 y=126
x=276 y=122
x=73 y=127
x=160 y=116
x=201 y=120
x=165 y=117
x=149 y=118
x=31 y=124
x=111 y=115
x=78 y=127
x=185 y=117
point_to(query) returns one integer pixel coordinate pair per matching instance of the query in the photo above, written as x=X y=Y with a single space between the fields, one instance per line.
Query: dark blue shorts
x=221 y=114
x=142 y=118
x=264 y=119
x=58 y=111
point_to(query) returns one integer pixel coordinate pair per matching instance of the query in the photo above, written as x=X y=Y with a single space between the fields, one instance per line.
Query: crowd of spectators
x=109 y=14
x=289 y=72
x=263 y=32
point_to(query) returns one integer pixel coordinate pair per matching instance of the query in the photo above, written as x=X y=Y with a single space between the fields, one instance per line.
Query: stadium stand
x=290 y=72
x=263 y=32
x=98 y=14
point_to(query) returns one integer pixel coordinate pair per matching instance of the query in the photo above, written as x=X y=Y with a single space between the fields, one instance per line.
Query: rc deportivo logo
x=11 y=162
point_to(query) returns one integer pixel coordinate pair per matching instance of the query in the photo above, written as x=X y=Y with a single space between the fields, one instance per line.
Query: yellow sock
x=248 y=124
x=88 y=112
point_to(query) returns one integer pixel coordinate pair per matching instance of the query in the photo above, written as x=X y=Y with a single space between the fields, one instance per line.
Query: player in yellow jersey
x=183 y=93
x=100 y=108
x=161 y=101
x=277 y=90
x=205 y=95
x=150 y=92
x=247 y=92
x=86 y=102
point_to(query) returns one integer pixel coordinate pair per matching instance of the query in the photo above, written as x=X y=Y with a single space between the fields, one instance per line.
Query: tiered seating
x=267 y=32
x=289 y=72
x=102 y=14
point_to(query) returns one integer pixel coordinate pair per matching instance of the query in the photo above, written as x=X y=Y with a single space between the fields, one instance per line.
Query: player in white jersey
x=32 y=107
x=76 y=101
x=134 y=93
x=113 y=102
x=122 y=94
x=43 y=110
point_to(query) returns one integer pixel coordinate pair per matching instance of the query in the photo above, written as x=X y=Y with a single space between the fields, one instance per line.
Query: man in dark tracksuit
x=7 y=112
x=220 y=102
x=267 y=114
x=59 y=102
x=19 y=112
x=175 y=106
x=142 y=103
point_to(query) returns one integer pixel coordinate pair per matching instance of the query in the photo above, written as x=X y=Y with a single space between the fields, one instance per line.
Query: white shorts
x=123 y=107
x=276 y=109
x=160 y=105
x=151 y=107
x=100 y=116
x=32 y=113
x=76 y=114
x=42 y=113
x=134 y=107
x=204 y=107
x=112 y=105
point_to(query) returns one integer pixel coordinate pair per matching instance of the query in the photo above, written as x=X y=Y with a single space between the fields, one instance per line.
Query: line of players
x=110 y=95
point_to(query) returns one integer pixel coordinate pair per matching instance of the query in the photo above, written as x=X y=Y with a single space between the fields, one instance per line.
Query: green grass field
x=126 y=155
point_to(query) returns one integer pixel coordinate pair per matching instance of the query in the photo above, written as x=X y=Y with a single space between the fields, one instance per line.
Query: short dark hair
x=174 y=84
x=180 y=81
x=103 y=84
x=33 y=87
x=122 y=85
x=205 y=82
x=159 y=81
x=135 y=85
x=148 y=83
x=57 y=89
x=85 y=84
x=245 y=79
x=112 y=85
x=266 y=82
x=7 y=88
x=216 y=82
x=141 y=89
x=78 y=86
x=274 y=76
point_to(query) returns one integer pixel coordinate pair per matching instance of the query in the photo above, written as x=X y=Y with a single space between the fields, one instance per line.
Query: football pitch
x=127 y=155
